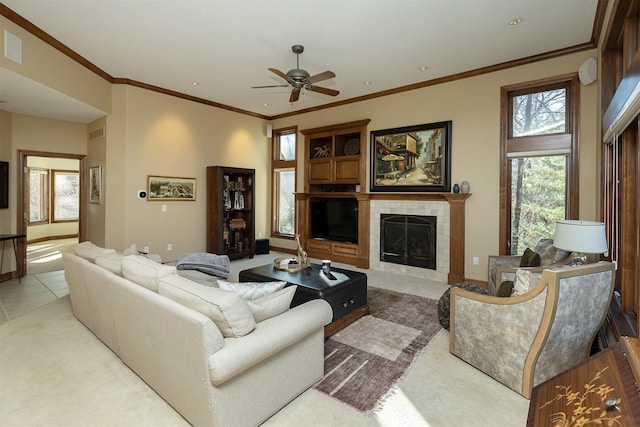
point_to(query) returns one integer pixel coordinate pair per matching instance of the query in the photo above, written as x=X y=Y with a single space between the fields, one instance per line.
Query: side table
x=13 y=238
x=599 y=391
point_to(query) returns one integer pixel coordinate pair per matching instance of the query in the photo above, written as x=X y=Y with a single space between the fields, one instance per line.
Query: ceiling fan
x=300 y=79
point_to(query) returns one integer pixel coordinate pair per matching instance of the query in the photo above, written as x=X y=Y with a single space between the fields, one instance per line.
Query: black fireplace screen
x=408 y=240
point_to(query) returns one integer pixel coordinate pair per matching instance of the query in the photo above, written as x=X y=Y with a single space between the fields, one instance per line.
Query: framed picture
x=95 y=184
x=168 y=188
x=412 y=159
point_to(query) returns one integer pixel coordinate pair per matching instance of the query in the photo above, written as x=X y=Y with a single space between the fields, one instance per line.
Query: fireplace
x=408 y=240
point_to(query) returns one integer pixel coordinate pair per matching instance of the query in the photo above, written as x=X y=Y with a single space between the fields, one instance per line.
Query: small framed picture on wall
x=95 y=184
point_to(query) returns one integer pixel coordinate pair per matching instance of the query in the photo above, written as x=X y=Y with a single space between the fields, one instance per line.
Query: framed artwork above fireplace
x=412 y=158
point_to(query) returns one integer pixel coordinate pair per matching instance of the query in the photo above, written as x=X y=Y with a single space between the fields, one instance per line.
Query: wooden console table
x=13 y=238
x=602 y=390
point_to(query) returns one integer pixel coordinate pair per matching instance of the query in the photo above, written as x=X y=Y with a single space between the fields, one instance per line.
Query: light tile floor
x=33 y=291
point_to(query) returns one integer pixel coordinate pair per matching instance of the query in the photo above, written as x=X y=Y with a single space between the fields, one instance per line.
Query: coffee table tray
x=283 y=264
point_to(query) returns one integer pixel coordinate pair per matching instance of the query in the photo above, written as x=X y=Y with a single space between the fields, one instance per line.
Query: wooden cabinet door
x=320 y=171
x=347 y=170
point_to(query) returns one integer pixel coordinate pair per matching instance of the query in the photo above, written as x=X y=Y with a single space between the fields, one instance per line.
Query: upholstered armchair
x=524 y=340
x=503 y=267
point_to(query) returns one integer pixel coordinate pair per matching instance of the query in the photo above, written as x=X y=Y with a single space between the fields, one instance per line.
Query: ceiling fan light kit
x=300 y=79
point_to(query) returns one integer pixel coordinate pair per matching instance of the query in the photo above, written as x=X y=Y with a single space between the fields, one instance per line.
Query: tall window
x=65 y=205
x=283 y=166
x=38 y=196
x=539 y=161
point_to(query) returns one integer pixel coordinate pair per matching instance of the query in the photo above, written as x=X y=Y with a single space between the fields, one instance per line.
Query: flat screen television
x=335 y=219
x=4 y=185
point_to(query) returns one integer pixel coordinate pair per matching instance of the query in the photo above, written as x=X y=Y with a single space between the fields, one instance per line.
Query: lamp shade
x=580 y=236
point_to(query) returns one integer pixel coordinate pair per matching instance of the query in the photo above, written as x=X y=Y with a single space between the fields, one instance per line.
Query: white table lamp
x=581 y=238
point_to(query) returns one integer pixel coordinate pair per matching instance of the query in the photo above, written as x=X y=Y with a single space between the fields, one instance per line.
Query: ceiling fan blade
x=322 y=76
x=295 y=94
x=280 y=74
x=324 y=90
x=261 y=87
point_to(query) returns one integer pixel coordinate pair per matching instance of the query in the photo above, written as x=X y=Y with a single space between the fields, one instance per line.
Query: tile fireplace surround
x=438 y=209
x=448 y=208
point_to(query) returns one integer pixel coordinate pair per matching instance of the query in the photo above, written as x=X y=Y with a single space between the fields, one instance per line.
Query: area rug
x=365 y=360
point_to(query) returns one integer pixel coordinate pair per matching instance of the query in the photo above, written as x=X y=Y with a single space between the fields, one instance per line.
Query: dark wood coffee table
x=348 y=298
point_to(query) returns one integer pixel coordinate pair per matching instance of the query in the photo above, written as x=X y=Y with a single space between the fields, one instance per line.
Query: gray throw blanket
x=215 y=265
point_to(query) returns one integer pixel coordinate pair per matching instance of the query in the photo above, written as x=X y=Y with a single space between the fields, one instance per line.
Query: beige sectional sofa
x=236 y=375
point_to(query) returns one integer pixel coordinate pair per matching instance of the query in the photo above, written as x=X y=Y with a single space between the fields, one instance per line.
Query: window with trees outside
x=539 y=161
x=54 y=196
x=283 y=167
x=38 y=196
x=66 y=196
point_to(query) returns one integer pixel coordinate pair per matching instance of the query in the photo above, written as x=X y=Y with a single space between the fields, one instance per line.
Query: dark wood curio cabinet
x=230 y=211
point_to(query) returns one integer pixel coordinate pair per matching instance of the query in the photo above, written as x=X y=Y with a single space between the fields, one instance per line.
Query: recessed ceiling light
x=265 y=105
x=423 y=68
x=367 y=83
x=515 y=21
x=195 y=83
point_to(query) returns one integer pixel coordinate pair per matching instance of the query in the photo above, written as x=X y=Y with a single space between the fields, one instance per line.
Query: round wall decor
x=352 y=147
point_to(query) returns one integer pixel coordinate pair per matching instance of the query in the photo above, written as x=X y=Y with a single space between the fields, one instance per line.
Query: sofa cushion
x=251 y=290
x=228 y=310
x=90 y=251
x=144 y=271
x=111 y=261
x=524 y=282
x=272 y=304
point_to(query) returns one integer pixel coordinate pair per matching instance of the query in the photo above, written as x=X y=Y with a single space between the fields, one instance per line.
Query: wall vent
x=97 y=133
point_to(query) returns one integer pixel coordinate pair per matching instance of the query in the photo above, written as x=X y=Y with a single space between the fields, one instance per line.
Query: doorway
x=23 y=198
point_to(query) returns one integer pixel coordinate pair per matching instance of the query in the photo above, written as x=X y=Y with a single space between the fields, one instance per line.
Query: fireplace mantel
x=422 y=197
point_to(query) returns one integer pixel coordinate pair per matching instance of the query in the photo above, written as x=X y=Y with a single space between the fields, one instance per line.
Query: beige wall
x=154 y=134
x=96 y=156
x=29 y=133
x=473 y=105
x=46 y=65
x=7 y=221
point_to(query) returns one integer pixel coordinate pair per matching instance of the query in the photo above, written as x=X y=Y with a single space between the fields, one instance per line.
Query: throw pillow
x=251 y=290
x=228 y=310
x=144 y=271
x=89 y=251
x=525 y=281
x=505 y=289
x=272 y=304
x=546 y=250
x=549 y=254
x=131 y=250
x=111 y=261
x=530 y=259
